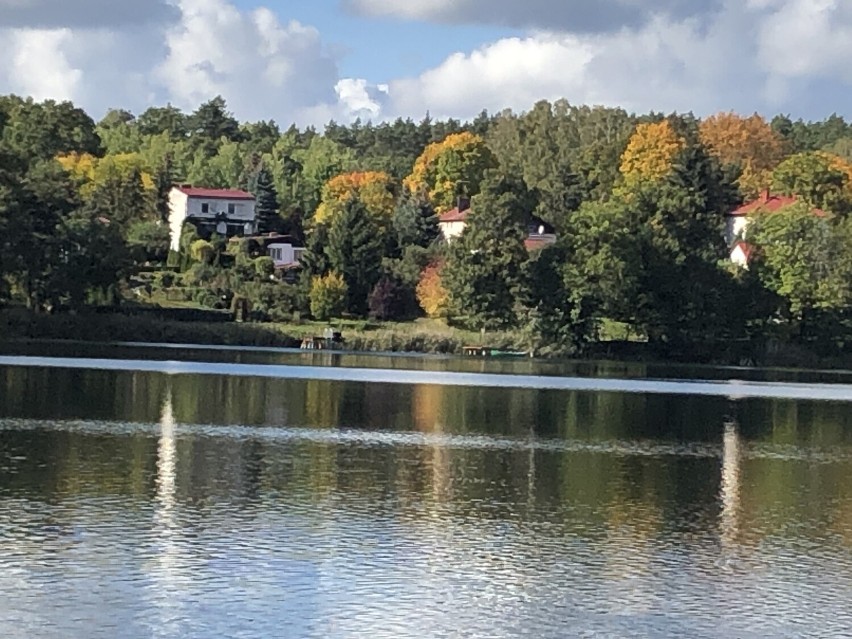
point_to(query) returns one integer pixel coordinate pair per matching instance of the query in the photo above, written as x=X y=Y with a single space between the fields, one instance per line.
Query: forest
x=638 y=202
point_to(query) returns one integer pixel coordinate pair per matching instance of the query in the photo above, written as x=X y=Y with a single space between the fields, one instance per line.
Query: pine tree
x=355 y=251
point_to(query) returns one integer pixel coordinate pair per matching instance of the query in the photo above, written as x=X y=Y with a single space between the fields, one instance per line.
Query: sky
x=310 y=61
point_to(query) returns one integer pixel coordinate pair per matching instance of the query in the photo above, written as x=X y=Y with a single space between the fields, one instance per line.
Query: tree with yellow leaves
x=451 y=168
x=375 y=189
x=749 y=144
x=651 y=153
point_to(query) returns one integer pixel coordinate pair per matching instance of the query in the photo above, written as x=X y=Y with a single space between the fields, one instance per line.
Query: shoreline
x=408 y=339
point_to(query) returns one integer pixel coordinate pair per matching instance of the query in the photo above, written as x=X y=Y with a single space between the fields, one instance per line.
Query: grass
x=422 y=336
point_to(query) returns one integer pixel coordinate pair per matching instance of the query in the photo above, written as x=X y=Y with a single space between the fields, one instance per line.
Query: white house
x=737 y=223
x=223 y=211
x=284 y=254
x=539 y=234
x=452 y=223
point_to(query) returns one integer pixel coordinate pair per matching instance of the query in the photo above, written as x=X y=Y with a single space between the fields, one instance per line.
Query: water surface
x=137 y=503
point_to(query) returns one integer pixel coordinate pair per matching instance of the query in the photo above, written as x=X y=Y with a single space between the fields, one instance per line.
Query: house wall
x=285 y=254
x=177 y=215
x=739 y=257
x=735 y=227
x=452 y=229
x=181 y=207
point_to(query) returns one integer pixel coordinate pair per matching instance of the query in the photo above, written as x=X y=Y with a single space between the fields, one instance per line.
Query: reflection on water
x=138 y=504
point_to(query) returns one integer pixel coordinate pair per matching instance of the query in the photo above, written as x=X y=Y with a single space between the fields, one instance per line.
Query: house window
x=232 y=208
x=298 y=253
x=205 y=207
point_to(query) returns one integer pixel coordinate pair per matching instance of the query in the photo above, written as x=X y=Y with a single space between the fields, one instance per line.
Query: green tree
x=819 y=178
x=263 y=188
x=483 y=274
x=804 y=259
x=328 y=296
x=355 y=250
x=414 y=221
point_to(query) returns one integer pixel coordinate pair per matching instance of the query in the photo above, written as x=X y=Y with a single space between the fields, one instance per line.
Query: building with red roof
x=227 y=212
x=738 y=221
x=452 y=223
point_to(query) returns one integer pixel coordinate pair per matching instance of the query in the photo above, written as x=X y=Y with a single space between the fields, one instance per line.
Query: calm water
x=222 y=503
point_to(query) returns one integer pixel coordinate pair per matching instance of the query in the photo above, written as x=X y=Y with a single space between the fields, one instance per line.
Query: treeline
x=638 y=202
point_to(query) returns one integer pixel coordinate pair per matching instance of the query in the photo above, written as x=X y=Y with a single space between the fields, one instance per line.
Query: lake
x=193 y=492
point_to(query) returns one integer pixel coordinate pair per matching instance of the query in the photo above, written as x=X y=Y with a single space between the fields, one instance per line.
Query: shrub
x=202 y=251
x=328 y=296
x=264 y=267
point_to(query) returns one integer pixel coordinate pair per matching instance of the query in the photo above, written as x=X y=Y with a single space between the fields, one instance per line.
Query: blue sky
x=315 y=60
x=380 y=48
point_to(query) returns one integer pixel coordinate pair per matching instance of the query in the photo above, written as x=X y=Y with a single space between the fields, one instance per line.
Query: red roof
x=454 y=216
x=215 y=194
x=768 y=203
x=536 y=243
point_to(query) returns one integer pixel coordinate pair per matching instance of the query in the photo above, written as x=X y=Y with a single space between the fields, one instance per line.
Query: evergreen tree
x=268 y=219
x=414 y=221
x=483 y=274
x=355 y=251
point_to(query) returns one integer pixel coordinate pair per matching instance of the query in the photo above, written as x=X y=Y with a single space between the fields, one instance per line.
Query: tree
x=328 y=296
x=167 y=119
x=388 y=300
x=267 y=201
x=414 y=221
x=820 y=179
x=376 y=191
x=451 y=168
x=43 y=130
x=213 y=121
x=651 y=153
x=354 y=250
x=750 y=145
x=431 y=294
x=804 y=259
x=483 y=274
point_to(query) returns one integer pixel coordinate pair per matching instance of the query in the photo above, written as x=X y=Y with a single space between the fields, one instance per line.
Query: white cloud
x=261 y=66
x=665 y=65
x=790 y=55
x=38 y=66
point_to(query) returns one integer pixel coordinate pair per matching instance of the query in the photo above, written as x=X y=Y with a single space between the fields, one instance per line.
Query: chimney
x=463 y=203
x=767 y=194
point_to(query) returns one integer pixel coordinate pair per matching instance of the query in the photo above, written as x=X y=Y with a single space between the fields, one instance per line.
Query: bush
x=264 y=267
x=328 y=296
x=271 y=301
x=202 y=252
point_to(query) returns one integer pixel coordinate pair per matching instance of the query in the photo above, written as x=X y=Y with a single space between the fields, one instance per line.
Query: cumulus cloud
x=768 y=55
x=784 y=55
x=72 y=14
x=261 y=66
x=666 y=65
x=578 y=16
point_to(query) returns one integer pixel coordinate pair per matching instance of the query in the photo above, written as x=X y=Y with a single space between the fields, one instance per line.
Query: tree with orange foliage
x=450 y=168
x=375 y=189
x=651 y=153
x=431 y=293
x=747 y=143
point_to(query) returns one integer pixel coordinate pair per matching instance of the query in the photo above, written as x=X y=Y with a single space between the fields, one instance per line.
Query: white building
x=223 y=211
x=284 y=254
